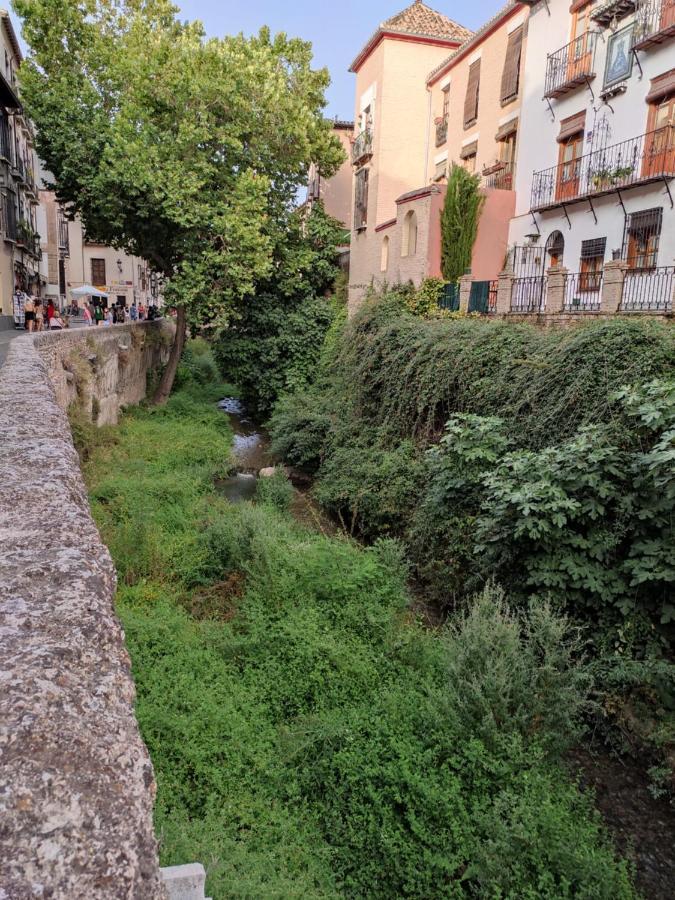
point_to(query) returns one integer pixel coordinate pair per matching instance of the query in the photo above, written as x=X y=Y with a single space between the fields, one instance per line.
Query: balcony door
x=579 y=55
x=659 y=156
x=569 y=167
x=667 y=14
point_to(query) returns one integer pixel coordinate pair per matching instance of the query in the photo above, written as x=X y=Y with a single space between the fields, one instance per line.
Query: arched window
x=384 y=258
x=555 y=247
x=409 y=242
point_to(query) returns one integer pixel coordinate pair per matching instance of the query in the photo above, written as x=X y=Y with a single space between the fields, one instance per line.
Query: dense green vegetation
x=310 y=738
x=544 y=459
x=272 y=346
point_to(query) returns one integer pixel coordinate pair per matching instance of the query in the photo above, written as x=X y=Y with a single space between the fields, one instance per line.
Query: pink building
x=389 y=152
x=335 y=192
x=465 y=111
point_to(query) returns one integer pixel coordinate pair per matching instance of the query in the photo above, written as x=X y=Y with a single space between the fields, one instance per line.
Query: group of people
x=97 y=314
x=38 y=315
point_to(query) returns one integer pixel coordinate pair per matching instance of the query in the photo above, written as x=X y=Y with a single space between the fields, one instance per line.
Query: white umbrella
x=87 y=290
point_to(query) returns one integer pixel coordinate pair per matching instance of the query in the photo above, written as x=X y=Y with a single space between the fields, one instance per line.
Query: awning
x=469 y=150
x=572 y=125
x=507 y=130
x=87 y=290
x=661 y=86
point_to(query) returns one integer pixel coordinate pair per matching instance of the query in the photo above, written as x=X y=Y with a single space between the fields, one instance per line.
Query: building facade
x=594 y=182
x=335 y=192
x=20 y=250
x=389 y=150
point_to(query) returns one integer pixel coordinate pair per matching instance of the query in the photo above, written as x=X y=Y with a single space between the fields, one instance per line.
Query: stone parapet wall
x=76 y=781
x=104 y=368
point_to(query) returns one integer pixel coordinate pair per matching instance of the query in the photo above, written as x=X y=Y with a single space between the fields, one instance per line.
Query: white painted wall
x=627 y=119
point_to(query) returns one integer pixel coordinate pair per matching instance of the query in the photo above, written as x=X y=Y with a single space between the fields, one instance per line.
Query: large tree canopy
x=184 y=150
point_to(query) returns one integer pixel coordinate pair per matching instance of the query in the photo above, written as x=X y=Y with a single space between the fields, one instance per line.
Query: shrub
x=276 y=491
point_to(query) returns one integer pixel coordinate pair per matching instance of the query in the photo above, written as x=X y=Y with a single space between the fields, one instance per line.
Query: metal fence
x=529 y=294
x=483 y=297
x=583 y=291
x=654 y=20
x=649 y=289
x=449 y=299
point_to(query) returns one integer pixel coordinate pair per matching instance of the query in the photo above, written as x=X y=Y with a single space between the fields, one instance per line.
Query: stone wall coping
x=76 y=782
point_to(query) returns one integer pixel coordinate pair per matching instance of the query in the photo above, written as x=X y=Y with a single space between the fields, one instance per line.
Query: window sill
x=470 y=124
x=507 y=101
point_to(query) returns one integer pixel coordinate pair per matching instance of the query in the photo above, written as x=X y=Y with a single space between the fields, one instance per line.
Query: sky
x=337 y=30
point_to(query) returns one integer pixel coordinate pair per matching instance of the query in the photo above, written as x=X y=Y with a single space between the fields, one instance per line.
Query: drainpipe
x=426 y=152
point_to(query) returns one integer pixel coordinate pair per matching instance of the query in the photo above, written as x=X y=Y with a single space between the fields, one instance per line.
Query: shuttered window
x=471 y=99
x=98 y=272
x=361 y=200
x=511 y=71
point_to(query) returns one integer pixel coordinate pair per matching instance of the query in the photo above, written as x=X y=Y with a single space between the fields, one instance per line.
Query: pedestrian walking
x=87 y=316
x=39 y=316
x=29 y=313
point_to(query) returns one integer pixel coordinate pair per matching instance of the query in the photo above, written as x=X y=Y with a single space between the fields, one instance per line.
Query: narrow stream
x=250 y=448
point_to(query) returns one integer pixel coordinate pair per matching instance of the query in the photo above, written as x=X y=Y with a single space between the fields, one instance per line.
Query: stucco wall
x=491 y=114
x=625 y=118
x=76 y=782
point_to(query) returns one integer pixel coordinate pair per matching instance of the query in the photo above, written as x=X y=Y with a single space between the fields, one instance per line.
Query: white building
x=597 y=148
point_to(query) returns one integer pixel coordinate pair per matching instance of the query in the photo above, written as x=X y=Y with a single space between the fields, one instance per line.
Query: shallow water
x=250 y=451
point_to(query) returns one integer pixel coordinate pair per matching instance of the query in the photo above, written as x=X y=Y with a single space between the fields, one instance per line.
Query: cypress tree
x=459 y=222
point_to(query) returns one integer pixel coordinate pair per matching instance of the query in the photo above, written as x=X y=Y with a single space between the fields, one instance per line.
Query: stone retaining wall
x=76 y=782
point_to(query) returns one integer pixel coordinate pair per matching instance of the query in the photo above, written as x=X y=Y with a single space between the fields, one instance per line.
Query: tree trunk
x=168 y=376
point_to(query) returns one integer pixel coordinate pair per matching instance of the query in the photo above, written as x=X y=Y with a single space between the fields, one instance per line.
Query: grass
x=309 y=738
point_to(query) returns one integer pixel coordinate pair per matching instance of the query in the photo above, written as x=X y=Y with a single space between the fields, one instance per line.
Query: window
x=384 y=258
x=361 y=200
x=641 y=238
x=98 y=272
x=409 y=242
x=511 y=71
x=441 y=170
x=659 y=157
x=446 y=102
x=571 y=140
x=591 y=263
x=472 y=92
x=468 y=156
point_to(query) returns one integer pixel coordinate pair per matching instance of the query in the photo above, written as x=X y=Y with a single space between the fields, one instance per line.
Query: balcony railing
x=362 y=147
x=649 y=157
x=649 y=289
x=583 y=291
x=499 y=176
x=442 y=131
x=571 y=66
x=654 y=23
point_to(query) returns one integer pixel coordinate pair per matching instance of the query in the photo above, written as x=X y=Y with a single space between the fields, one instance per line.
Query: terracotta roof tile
x=418 y=18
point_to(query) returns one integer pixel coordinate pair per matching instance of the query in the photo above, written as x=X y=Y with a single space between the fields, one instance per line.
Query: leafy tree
x=459 y=222
x=183 y=150
x=273 y=344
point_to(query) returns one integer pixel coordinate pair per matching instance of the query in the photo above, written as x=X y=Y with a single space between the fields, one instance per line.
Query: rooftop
x=416 y=21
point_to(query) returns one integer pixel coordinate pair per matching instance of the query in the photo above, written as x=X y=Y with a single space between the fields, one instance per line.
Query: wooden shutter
x=571 y=126
x=98 y=272
x=471 y=99
x=511 y=71
x=661 y=87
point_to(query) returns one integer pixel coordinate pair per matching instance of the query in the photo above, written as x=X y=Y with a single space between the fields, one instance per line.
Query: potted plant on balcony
x=620 y=174
x=601 y=179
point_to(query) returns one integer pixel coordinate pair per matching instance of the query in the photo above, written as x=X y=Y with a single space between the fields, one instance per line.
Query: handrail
x=362 y=146
x=571 y=65
x=648 y=157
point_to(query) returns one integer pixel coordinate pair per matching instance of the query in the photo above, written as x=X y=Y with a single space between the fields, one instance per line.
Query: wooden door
x=579 y=56
x=569 y=167
x=667 y=14
x=659 y=158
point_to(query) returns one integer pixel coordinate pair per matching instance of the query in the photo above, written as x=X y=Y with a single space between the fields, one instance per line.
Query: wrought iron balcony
x=649 y=157
x=362 y=147
x=571 y=66
x=654 y=23
x=442 y=131
x=498 y=176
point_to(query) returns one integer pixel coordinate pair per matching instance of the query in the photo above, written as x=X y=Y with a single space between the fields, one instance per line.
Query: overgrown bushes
x=309 y=739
